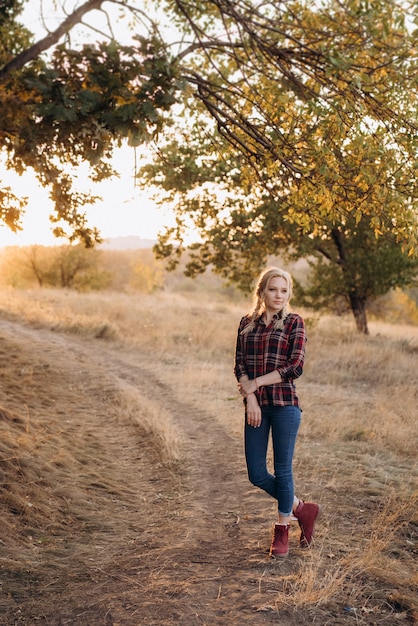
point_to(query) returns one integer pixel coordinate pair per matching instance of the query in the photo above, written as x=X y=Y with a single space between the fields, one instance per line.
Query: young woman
x=269 y=356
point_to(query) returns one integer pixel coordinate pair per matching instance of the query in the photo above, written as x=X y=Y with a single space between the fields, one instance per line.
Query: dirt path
x=143 y=543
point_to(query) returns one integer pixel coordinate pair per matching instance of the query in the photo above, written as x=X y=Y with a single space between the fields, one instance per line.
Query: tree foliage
x=74 y=106
x=273 y=122
x=315 y=151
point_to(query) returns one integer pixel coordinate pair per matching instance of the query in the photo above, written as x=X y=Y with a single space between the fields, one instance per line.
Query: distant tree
x=396 y=307
x=34 y=264
x=354 y=266
x=147 y=276
x=8 y=274
x=68 y=266
x=25 y=267
x=75 y=266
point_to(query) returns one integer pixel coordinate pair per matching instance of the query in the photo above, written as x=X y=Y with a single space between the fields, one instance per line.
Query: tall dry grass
x=324 y=578
x=354 y=387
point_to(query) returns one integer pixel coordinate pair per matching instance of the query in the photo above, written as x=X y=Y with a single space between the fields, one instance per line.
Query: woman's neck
x=268 y=316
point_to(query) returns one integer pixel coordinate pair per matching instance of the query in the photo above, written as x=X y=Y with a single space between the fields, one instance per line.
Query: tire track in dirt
x=200 y=565
x=206 y=442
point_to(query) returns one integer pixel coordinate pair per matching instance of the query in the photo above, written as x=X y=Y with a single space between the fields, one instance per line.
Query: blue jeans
x=283 y=422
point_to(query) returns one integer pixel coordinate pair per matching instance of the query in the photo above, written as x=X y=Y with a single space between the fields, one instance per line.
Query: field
x=124 y=497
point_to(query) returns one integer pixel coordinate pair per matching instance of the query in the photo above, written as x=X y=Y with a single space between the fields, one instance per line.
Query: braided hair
x=259 y=294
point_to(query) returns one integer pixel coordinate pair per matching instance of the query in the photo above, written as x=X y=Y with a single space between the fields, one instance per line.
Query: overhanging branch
x=50 y=40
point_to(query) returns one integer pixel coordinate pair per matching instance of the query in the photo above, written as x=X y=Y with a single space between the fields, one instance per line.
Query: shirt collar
x=260 y=320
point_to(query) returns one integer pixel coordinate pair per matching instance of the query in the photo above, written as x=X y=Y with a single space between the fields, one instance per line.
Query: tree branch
x=51 y=39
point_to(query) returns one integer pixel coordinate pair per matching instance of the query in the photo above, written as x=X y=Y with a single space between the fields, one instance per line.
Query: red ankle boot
x=307 y=513
x=280 y=543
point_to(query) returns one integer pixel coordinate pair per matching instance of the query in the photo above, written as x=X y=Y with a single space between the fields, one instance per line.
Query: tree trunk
x=358 y=307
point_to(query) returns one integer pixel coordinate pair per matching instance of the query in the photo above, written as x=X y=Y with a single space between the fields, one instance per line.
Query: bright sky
x=124 y=210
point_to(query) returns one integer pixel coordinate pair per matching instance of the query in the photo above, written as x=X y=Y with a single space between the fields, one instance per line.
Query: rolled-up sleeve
x=240 y=369
x=296 y=351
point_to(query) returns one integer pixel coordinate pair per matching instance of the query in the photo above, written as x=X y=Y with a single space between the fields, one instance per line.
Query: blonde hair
x=259 y=295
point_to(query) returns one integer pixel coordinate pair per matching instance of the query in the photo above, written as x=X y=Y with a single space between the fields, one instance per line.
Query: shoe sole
x=279 y=556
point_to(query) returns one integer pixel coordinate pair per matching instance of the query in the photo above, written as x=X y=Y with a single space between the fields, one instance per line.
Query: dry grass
x=354 y=387
x=150 y=419
x=360 y=400
x=362 y=388
x=324 y=577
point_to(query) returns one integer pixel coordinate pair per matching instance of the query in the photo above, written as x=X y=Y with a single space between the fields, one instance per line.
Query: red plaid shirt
x=264 y=350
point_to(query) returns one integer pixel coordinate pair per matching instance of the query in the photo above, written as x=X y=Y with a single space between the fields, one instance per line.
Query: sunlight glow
x=123 y=211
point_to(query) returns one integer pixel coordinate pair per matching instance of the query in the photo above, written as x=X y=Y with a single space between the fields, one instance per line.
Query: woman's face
x=277 y=295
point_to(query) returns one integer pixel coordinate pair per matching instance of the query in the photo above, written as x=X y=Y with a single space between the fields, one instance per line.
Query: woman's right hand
x=253 y=411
